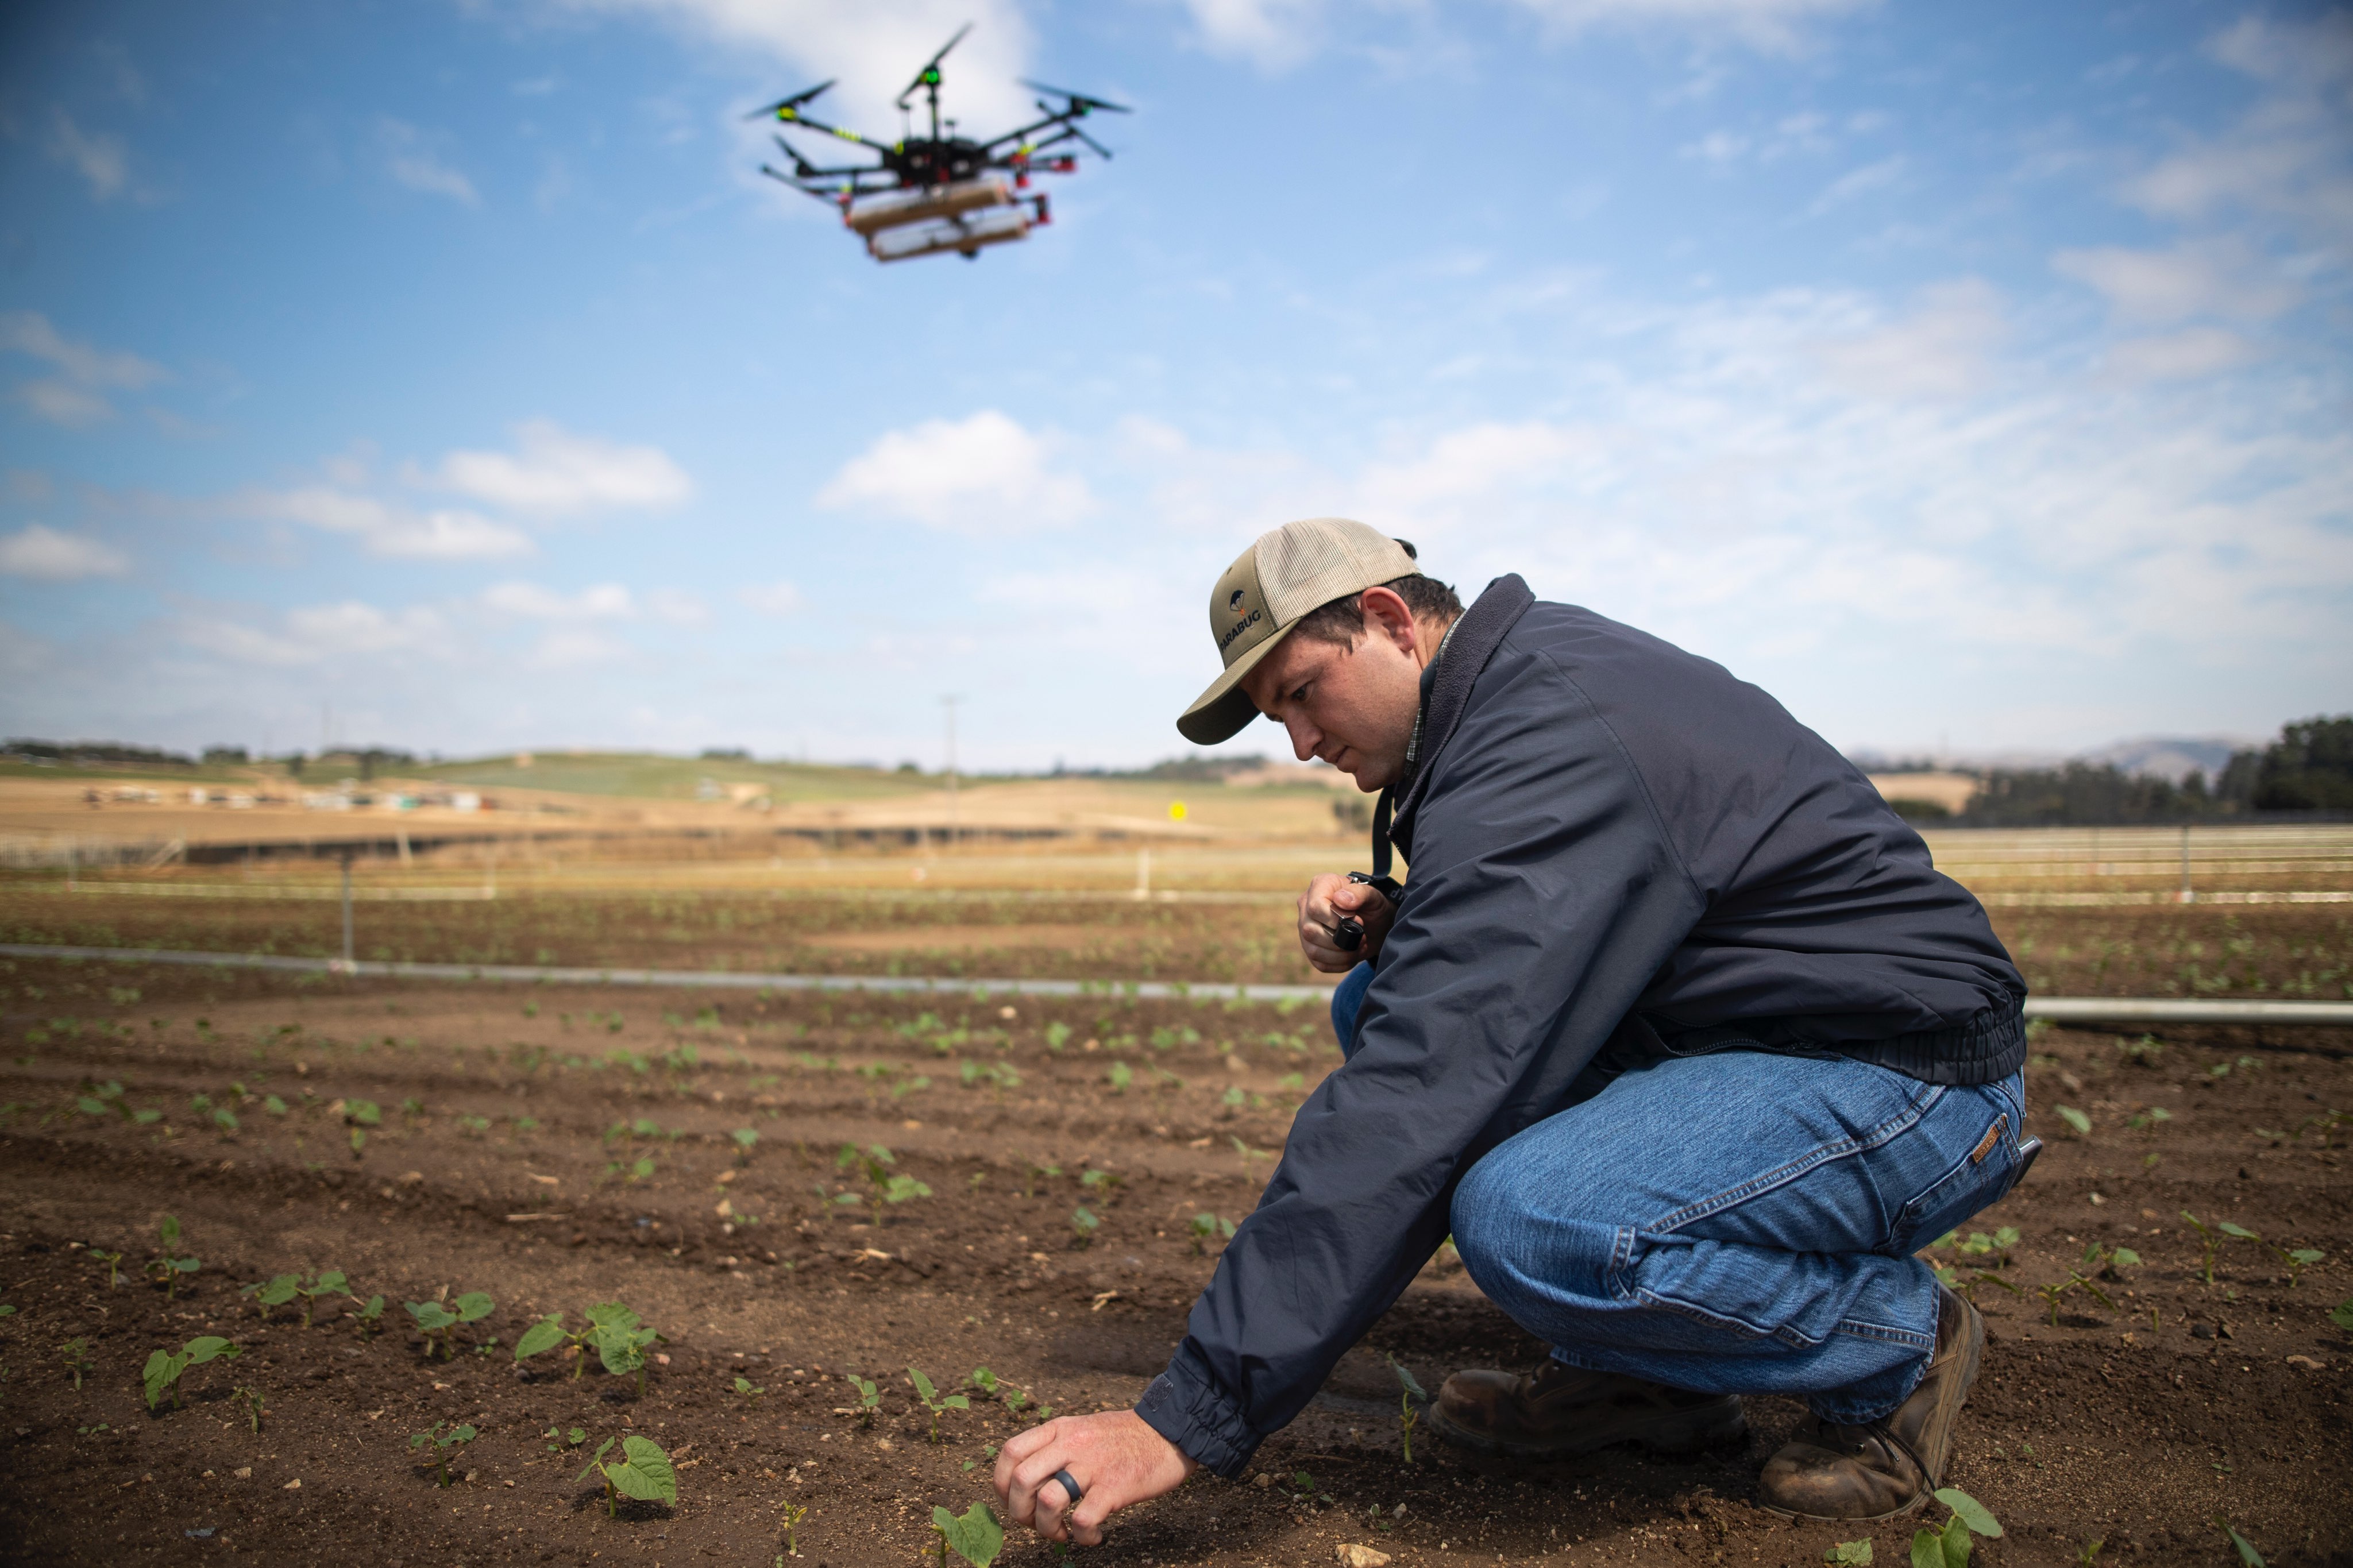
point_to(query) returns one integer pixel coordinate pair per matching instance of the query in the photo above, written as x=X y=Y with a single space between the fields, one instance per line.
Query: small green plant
x=2207 y=1239
x=1084 y=1225
x=1857 y=1553
x=1208 y=1228
x=369 y=1316
x=1949 y=1547
x=2088 y=1554
x=793 y=1513
x=749 y=1391
x=162 y=1374
x=248 y=1398
x=439 y=1447
x=359 y=1115
x=2248 y=1556
x=555 y=1443
x=931 y=1399
x=885 y=1186
x=113 y=1261
x=744 y=1139
x=621 y=1339
x=2341 y=1314
x=1058 y=1034
x=275 y=1291
x=75 y=1353
x=642 y=1473
x=2296 y=1259
x=2097 y=1260
x=1408 y=1390
x=1120 y=1076
x=2074 y=1119
x=869 y=1398
x=165 y=1270
x=437 y=1317
x=974 y=1535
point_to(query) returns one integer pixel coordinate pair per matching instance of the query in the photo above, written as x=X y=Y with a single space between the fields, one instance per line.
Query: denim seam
x=1785 y=1334
x=1869 y=1331
x=1822 y=1154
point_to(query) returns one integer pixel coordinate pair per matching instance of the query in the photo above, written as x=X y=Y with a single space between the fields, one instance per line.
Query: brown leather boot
x=1563 y=1409
x=1888 y=1467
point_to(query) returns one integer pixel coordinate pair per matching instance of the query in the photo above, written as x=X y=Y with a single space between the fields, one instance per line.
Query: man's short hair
x=1342 y=621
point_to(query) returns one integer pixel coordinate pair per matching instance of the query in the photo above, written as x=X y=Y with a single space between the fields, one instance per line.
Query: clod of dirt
x=1353 y=1556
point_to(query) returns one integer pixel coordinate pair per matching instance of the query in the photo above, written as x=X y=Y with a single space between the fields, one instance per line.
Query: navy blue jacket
x=1617 y=850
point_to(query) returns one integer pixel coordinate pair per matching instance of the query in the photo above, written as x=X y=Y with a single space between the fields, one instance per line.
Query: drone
x=928 y=194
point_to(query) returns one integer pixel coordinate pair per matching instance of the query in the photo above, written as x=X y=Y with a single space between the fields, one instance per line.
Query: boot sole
x=1664 y=1432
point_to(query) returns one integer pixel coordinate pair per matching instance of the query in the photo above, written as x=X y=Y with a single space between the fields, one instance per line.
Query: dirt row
x=505 y=1157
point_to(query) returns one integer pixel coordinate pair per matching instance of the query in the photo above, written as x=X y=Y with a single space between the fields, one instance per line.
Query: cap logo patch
x=1234 y=599
x=1238 y=628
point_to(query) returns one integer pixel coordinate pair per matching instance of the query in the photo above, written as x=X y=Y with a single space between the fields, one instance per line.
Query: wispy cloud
x=781 y=597
x=47 y=555
x=411 y=159
x=320 y=634
x=1773 y=25
x=2198 y=277
x=553 y=473
x=385 y=528
x=76 y=394
x=101 y=160
x=983 y=476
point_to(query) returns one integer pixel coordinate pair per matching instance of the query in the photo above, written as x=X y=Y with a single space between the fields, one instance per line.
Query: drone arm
x=794 y=117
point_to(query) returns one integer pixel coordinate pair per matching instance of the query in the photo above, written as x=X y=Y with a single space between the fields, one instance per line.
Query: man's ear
x=1388 y=614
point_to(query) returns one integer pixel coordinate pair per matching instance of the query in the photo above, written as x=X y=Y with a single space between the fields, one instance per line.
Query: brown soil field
x=506 y=1161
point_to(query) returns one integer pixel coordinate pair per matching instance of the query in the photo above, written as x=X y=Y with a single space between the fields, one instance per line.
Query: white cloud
x=2179 y=356
x=76 y=395
x=48 y=556
x=1859 y=182
x=981 y=476
x=1940 y=351
x=2198 y=278
x=414 y=163
x=2288 y=157
x=554 y=473
x=321 y=633
x=1270 y=34
x=781 y=597
x=532 y=601
x=101 y=160
x=1773 y=25
x=874 y=50
x=678 y=607
x=388 y=530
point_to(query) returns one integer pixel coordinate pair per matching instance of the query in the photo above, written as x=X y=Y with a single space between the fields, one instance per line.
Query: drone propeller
x=792 y=103
x=1090 y=141
x=1079 y=101
x=802 y=167
x=930 y=75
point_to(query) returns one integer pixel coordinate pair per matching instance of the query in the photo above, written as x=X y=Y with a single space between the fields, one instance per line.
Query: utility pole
x=347 y=911
x=949 y=705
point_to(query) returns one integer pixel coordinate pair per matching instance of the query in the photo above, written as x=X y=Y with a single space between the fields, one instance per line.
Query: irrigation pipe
x=2056 y=1009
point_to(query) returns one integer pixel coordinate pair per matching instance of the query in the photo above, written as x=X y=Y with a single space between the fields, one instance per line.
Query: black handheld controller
x=1348 y=932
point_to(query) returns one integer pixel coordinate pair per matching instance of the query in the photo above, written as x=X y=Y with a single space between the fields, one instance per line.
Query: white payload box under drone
x=932 y=194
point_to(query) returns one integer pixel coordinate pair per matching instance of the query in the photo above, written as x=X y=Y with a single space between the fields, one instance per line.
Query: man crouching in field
x=1674 y=1027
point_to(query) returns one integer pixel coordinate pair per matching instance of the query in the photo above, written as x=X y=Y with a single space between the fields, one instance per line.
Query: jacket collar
x=1446 y=684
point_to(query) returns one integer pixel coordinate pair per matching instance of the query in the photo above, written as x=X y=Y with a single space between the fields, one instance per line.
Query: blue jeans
x=1740 y=1222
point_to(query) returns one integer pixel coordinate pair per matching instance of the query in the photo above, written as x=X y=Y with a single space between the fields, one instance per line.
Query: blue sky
x=1968 y=376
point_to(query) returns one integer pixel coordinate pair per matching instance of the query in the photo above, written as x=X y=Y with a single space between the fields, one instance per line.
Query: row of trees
x=2310 y=768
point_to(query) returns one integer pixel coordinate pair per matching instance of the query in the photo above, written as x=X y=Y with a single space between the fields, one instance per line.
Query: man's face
x=1352 y=707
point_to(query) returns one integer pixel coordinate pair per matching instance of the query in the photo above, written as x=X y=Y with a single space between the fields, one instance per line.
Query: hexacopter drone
x=933 y=194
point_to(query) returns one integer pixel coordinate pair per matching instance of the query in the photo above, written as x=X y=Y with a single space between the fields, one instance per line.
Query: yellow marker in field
x=1175 y=811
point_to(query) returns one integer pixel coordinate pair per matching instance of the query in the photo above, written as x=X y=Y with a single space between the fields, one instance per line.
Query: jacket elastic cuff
x=1185 y=1406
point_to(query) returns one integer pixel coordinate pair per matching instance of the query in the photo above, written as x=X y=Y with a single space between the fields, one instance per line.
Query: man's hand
x=1327 y=898
x=1115 y=1459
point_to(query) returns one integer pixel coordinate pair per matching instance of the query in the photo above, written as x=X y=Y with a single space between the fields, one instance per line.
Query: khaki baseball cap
x=1289 y=572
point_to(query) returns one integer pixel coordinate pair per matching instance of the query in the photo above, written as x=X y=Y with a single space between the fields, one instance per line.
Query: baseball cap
x=1289 y=572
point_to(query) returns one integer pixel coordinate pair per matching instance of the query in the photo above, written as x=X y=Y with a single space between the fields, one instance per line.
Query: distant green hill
x=646 y=776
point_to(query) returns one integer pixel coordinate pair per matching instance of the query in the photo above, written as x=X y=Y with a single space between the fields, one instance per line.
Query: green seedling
x=2296 y=1259
x=1851 y=1551
x=1949 y=1547
x=793 y=1513
x=113 y=1261
x=76 y=1355
x=886 y=1185
x=272 y=1292
x=554 y=1444
x=2097 y=1260
x=1120 y=1076
x=1084 y=1225
x=2206 y=1238
x=164 y=1268
x=2074 y=1119
x=1408 y=1390
x=359 y=1115
x=2149 y=1118
x=931 y=1399
x=329 y=1283
x=436 y=1317
x=369 y=1316
x=248 y=1398
x=974 y=1535
x=643 y=1473
x=1208 y=1228
x=2341 y=1314
x=441 y=1447
x=2248 y=1556
x=163 y=1367
x=749 y=1391
x=869 y=1398
x=2088 y=1554
x=744 y=1140
x=621 y=1340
